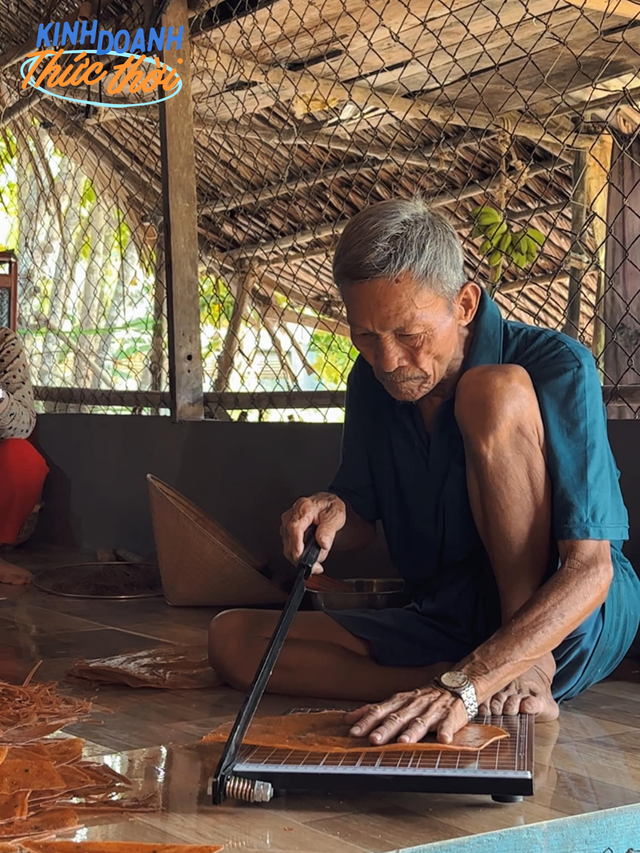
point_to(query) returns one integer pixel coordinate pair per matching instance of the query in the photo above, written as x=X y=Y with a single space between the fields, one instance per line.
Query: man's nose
x=388 y=355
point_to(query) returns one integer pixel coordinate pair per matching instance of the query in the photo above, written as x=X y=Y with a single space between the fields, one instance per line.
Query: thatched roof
x=307 y=112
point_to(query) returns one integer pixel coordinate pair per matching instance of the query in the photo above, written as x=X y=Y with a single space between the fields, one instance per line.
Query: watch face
x=454 y=680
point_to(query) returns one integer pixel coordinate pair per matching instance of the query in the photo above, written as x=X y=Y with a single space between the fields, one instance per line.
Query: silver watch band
x=470 y=700
x=467 y=694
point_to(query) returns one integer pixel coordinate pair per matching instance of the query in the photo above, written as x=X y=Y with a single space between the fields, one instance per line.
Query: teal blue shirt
x=415 y=484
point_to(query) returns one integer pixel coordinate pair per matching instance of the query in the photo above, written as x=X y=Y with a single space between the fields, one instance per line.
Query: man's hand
x=407 y=717
x=327 y=511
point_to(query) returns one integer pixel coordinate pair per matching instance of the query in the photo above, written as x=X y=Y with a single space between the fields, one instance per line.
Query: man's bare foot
x=14 y=575
x=528 y=694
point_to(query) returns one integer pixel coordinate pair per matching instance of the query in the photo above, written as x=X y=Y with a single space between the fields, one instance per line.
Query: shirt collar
x=486 y=345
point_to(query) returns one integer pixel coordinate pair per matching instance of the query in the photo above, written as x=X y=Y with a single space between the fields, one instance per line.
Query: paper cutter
x=504 y=769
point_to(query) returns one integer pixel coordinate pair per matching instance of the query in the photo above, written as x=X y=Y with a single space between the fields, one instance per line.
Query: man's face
x=411 y=337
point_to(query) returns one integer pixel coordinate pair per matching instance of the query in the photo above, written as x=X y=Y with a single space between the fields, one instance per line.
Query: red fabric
x=22 y=475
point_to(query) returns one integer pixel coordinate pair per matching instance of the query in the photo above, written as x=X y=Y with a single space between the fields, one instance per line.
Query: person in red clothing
x=22 y=468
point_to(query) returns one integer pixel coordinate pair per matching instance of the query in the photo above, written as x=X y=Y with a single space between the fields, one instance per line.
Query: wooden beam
x=228 y=400
x=336 y=228
x=533 y=281
x=20 y=107
x=232 y=338
x=135 y=184
x=156 y=355
x=129 y=163
x=310 y=321
x=272 y=328
x=181 y=230
x=386 y=156
x=598 y=168
x=579 y=260
x=620 y=395
x=518 y=215
x=19 y=51
x=288 y=84
x=621 y=8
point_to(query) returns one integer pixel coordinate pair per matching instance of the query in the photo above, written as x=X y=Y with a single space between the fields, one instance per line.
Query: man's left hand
x=408 y=717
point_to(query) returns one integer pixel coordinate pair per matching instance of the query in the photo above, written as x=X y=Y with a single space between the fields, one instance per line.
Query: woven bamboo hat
x=200 y=562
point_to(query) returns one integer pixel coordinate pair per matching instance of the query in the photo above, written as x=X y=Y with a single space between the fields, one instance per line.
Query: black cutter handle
x=261 y=678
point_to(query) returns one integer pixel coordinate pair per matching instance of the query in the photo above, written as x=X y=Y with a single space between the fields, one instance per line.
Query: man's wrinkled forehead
x=392 y=304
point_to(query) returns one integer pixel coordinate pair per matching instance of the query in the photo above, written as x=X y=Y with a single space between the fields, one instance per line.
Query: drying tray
x=46 y=581
x=504 y=769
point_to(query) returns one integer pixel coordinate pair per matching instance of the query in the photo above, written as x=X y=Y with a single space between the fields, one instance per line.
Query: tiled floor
x=588 y=761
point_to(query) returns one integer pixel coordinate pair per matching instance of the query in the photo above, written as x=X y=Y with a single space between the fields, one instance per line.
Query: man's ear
x=467 y=302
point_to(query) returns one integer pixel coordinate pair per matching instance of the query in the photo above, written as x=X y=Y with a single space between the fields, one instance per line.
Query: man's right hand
x=327 y=511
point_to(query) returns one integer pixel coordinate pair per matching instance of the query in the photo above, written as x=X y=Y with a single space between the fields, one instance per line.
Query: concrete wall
x=243 y=475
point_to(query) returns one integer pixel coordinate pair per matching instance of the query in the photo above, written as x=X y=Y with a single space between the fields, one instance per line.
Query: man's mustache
x=397 y=376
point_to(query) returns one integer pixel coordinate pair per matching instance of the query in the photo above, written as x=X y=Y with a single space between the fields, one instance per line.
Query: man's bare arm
x=578 y=587
x=539 y=626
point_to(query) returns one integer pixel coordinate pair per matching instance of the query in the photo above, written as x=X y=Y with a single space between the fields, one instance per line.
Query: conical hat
x=200 y=562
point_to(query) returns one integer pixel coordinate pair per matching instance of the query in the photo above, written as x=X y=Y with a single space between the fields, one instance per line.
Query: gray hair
x=401 y=236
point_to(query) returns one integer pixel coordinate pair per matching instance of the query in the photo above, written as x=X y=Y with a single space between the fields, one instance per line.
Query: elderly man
x=481 y=445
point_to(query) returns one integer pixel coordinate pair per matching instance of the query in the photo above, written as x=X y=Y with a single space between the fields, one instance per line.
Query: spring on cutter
x=249 y=790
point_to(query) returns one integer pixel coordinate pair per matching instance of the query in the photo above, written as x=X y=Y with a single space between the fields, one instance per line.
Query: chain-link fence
x=519 y=120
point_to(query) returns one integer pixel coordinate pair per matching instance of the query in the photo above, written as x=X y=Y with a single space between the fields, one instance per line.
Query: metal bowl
x=368 y=594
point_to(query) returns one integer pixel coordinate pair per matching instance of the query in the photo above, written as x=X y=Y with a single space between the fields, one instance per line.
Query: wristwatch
x=460 y=685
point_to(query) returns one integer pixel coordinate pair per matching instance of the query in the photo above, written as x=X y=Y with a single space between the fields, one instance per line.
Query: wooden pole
x=232 y=338
x=578 y=261
x=181 y=228
x=20 y=107
x=599 y=165
x=159 y=299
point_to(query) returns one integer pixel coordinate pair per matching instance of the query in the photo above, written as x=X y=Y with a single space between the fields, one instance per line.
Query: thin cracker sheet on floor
x=47 y=821
x=116 y=847
x=164 y=667
x=33 y=710
x=14 y=806
x=59 y=751
x=327 y=731
x=28 y=775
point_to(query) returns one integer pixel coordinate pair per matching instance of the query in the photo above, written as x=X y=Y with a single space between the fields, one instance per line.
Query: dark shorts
x=420 y=636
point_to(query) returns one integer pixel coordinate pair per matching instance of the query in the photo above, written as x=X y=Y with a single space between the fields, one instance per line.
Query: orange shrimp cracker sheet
x=58 y=751
x=115 y=847
x=14 y=806
x=35 y=709
x=46 y=821
x=3 y=753
x=326 y=731
x=28 y=775
x=163 y=667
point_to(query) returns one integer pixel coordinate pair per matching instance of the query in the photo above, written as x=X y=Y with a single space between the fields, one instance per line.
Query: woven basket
x=200 y=562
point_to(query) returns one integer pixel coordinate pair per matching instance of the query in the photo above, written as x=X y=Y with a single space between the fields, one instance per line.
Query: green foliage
x=88 y=196
x=332 y=357
x=216 y=302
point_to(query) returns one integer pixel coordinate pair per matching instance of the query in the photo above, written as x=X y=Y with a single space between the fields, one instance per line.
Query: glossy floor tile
x=586 y=762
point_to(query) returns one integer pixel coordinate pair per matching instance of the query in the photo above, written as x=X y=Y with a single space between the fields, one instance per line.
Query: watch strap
x=467 y=694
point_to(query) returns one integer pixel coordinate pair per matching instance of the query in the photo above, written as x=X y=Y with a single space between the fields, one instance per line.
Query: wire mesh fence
x=518 y=120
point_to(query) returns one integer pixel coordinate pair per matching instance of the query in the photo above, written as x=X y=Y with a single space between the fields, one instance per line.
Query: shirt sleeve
x=17 y=409
x=353 y=482
x=587 y=500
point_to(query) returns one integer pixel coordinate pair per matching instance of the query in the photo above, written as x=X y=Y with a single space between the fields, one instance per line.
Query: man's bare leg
x=320 y=658
x=510 y=494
